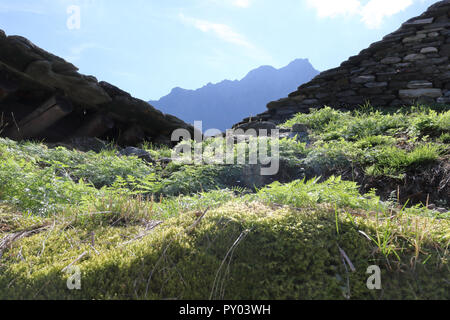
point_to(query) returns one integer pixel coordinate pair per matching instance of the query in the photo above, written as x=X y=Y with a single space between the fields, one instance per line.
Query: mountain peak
x=261 y=71
x=299 y=62
x=221 y=104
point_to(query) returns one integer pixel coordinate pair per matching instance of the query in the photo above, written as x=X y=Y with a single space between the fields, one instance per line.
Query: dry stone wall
x=408 y=66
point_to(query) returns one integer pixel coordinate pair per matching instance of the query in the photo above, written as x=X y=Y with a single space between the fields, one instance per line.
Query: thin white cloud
x=227 y=34
x=371 y=13
x=18 y=7
x=374 y=12
x=242 y=3
x=222 y=31
x=76 y=52
x=333 y=8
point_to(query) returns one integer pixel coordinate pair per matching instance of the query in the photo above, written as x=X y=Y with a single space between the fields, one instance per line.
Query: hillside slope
x=137 y=230
x=222 y=104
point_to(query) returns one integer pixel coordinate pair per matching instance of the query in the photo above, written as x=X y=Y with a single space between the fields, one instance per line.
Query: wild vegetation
x=140 y=230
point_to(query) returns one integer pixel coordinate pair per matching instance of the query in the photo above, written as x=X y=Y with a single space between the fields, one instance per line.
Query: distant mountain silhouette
x=223 y=104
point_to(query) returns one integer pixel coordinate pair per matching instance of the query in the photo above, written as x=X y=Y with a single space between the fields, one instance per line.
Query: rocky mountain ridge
x=222 y=104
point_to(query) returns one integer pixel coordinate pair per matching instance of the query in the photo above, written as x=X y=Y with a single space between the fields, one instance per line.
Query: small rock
x=263 y=125
x=86 y=144
x=141 y=154
x=299 y=127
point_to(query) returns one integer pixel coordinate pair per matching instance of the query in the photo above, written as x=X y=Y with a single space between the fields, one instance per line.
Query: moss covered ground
x=135 y=230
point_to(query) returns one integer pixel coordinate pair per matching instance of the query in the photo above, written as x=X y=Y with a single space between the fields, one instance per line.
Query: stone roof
x=33 y=81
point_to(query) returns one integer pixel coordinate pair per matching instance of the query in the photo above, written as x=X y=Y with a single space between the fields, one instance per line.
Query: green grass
x=384 y=144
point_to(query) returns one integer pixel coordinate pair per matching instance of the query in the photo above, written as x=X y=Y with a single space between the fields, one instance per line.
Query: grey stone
x=418 y=22
x=445 y=100
x=310 y=101
x=357 y=70
x=417 y=84
x=299 y=127
x=391 y=60
x=263 y=125
x=416 y=93
x=414 y=57
x=368 y=63
x=346 y=93
x=429 y=50
x=363 y=79
x=312 y=87
x=376 y=84
x=2 y=34
x=403 y=65
x=439 y=60
x=414 y=38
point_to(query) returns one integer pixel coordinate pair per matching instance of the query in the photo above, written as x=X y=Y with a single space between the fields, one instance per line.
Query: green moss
x=238 y=251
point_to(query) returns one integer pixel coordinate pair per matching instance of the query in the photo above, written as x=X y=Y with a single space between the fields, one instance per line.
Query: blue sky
x=148 y=47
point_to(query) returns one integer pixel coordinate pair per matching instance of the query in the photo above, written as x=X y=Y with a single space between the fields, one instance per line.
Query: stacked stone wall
x=410 y=65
